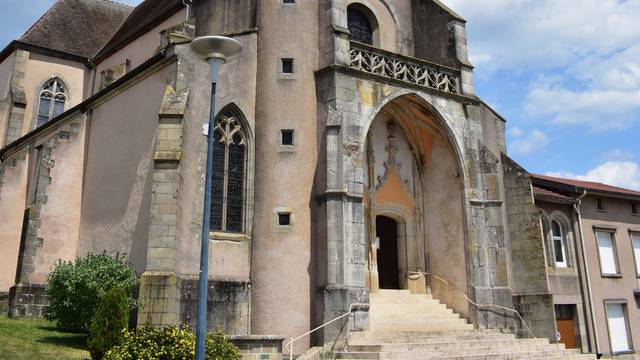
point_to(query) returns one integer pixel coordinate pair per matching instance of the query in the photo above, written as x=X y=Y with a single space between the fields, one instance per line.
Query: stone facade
x=305 y=251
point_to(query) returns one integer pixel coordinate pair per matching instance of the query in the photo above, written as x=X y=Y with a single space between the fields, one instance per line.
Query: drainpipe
x=577 y=209
x=188 y=4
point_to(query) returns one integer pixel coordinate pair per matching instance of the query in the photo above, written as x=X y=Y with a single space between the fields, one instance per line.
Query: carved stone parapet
x=379 y=62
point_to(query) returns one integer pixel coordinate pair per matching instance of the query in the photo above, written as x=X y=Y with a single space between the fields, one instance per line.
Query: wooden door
x=567 y=334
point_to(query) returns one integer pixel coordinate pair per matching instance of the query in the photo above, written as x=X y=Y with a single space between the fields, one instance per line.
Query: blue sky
x=565 y=74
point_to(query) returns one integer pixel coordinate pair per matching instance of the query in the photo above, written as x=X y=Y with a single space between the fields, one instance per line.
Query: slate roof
x=142 y=19
x=78 y=27
x=580 y=185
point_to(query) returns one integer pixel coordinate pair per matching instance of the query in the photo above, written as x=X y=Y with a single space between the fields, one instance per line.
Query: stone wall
x=228 y=305
x=531 y=294
x=216 y=17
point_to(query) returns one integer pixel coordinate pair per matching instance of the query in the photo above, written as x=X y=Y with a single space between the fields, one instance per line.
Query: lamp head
x=216 y=47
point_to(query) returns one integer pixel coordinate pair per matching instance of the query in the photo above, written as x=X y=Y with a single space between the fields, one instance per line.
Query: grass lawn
x=39 y=340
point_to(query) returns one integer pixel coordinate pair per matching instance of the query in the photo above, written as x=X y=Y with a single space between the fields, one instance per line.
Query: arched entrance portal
x=413 y=204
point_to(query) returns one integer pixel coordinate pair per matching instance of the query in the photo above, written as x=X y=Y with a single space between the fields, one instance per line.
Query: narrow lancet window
x=229 y=172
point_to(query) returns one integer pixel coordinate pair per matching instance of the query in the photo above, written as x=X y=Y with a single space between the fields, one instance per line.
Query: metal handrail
x=423 y=274
x=289 y=345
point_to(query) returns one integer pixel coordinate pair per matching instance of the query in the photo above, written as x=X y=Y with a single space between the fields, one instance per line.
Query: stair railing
x=289 y=346
x=477 y=305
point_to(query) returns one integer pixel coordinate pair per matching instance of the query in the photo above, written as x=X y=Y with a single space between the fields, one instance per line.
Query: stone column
x=343 y=200
x=17 y=100
x=458 y=32
x=160 y=285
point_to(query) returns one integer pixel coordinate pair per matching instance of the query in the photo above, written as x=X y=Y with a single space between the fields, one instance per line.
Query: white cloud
x=525 y=144
x=600 y=92
x=618 y=155
x=541 y=34
x=624 y=174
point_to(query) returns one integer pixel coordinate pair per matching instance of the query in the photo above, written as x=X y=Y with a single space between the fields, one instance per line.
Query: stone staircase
x=416 y=327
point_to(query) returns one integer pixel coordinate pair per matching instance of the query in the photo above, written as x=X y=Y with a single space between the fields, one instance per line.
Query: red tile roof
x=546 y=193
x=588 y=185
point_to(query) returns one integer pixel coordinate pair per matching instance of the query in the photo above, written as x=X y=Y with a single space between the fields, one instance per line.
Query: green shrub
x=111 y=317
x=75 y=289
x=218 y=347
x=170 y=343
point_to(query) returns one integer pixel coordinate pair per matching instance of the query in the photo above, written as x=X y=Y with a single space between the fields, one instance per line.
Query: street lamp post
x=215 y=50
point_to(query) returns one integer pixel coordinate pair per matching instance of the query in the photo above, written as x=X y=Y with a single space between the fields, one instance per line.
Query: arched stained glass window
x=229 y=172
x=359 y=26
x=53 y=97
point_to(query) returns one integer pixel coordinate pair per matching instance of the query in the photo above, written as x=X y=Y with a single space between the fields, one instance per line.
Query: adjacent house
x=591 y=234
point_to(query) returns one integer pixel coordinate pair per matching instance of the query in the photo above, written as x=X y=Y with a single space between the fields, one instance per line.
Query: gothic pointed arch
x=232 y=178
x=52 y=99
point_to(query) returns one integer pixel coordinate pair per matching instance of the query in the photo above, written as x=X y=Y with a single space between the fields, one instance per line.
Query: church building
x=353 y=161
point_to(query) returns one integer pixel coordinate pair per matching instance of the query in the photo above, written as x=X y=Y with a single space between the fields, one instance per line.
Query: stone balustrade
x=379 y=62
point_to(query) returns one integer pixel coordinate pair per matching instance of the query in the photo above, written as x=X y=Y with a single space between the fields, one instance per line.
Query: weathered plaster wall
x=137 y=51
x=117 y=189
x=281 y=258
x=618 y=218
x=39 y=69
x=432 y=37
x=216 y=17
x=444 y=224
x=60 y=215
x=6 y=69
x=13 y=192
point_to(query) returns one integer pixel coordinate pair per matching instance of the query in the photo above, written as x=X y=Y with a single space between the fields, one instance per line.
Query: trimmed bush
x=218 y=347
x=110 y=319
x=75 y=289
x=170 y=343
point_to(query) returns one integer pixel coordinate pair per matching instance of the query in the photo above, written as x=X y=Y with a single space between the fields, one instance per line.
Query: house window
x=359 y=25
x=635 y=208
x=53 y=97
x=601 y=204
x=288 y=1
x=287 y=66
x=607 y=253
x=618 y=327
x=635 y=240
x=558 y=244
x=229 y=175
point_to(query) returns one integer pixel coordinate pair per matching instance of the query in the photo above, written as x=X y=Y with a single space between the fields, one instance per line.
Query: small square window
x=287 y=137
x=284 y=219
x=287 y=66
x=601 y=205
x=635 y=208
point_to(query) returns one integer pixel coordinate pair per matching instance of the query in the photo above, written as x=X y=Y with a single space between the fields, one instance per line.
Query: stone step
x=412 y=299
x=408 y=308
x=374 y=337
x=422 y=316
x=544 y=354
x=448 y=344
x=433 y=325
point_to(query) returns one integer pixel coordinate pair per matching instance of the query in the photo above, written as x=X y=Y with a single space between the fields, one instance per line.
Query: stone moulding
x=379 y=62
